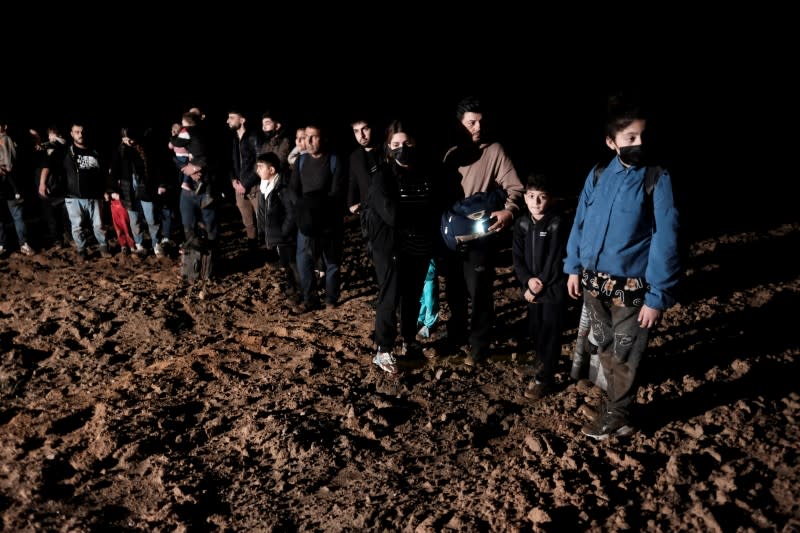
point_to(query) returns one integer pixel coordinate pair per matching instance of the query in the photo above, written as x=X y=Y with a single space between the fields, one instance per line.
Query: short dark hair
x=470 y=104
x=271 y=115
x=271 y=159
x=538 y=182
x=623 y=109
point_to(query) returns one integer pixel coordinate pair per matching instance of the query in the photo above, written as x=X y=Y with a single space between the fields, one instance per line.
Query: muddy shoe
x=476 y=357
x=104 y=252
x=606 y=424
x=385 y=361
x=537 y=389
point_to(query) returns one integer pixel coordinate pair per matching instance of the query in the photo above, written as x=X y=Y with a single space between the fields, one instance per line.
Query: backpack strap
x=332 y=162
x=651 y=176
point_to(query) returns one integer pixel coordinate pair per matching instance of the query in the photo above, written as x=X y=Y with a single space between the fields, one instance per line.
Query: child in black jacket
x=538 y=249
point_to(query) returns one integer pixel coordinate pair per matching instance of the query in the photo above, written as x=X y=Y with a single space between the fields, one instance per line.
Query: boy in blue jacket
x=622 y=254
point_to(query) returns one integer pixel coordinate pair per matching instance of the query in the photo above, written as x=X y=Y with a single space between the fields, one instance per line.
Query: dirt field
x=131 y=401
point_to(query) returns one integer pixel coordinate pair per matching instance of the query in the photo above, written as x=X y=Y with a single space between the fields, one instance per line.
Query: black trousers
x=470 y=274
x=401 y=278
x=545 y=323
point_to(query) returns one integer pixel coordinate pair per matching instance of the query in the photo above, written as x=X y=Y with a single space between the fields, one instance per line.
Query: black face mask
x=632 y=155
x=403 y=155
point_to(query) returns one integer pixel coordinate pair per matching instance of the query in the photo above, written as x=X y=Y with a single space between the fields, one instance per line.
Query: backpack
x=467 y=221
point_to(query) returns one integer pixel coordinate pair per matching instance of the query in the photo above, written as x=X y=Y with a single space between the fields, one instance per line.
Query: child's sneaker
x=385 y=361
x=26 y=249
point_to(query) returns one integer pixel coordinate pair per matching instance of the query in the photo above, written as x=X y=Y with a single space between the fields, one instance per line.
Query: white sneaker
x=158 y=250
x=424 y=332
x=26 y=249
x=2 y=250
x=141 y=250
x=385 y=361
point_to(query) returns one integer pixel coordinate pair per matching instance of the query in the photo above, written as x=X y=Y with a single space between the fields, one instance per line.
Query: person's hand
x=162 y=190
x=238 y=187
x=503 y=219
x=649 y=317
x=530 y=297
x=43 y=190
x=535 y=285
x=574 y=286
x=115 y=195
x=354 y=208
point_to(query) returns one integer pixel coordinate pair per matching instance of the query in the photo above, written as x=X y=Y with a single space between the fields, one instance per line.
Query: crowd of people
x=421 y=218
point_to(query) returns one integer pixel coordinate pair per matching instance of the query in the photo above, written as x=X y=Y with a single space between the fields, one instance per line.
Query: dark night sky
x=547 y=79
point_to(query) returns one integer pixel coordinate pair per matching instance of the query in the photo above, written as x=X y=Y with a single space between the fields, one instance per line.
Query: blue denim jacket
x=619 y=231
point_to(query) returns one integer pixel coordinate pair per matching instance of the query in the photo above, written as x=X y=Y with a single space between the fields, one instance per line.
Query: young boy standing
x=623 y=251
x=538 y=250
x=276 y=209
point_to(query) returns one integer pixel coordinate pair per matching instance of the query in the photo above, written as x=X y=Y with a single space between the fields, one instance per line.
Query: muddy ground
x=131 y=401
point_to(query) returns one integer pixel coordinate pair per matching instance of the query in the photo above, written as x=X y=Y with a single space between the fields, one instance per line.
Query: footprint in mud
x=70 y=423
x=177 y=319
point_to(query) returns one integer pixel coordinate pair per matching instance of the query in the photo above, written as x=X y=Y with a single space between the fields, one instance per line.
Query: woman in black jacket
x=402 y=222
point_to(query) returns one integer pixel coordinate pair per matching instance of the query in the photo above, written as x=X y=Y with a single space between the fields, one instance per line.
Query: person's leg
x=248 y=215
x=93 y=209
x=19 y=222
x=621 y=343
x=75 y=214
x=479 y=276
x=411 y=272
x=152 y=220
x=257 y=216
x=456 y=294
x=135 y=227
x=332 y=255
x=549 y=322
x=385 y=312
x=166 y=218
x=305 y=267
x=2 y=233
x=621 y=362
x=188 y=217
x=210 y=220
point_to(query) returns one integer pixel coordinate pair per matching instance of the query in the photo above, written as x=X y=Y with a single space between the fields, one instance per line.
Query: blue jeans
x=80 y=209
x=190 y=205
x=330 y=249
x=19 y=224
x=149 y=217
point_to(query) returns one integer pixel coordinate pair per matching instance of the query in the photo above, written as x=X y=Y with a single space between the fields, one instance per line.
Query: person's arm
x=521 y=268
x=381 y=199
x=506 y=177
x=663 y=263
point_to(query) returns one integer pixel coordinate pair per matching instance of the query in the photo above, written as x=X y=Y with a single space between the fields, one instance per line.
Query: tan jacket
x=493 y=169
x=8 y=153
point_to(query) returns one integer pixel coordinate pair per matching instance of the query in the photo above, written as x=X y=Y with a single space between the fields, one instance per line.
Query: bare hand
x=535 y=285
x=649 y=317
x=574 y=286
x=504 y=219
x=354 y=208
